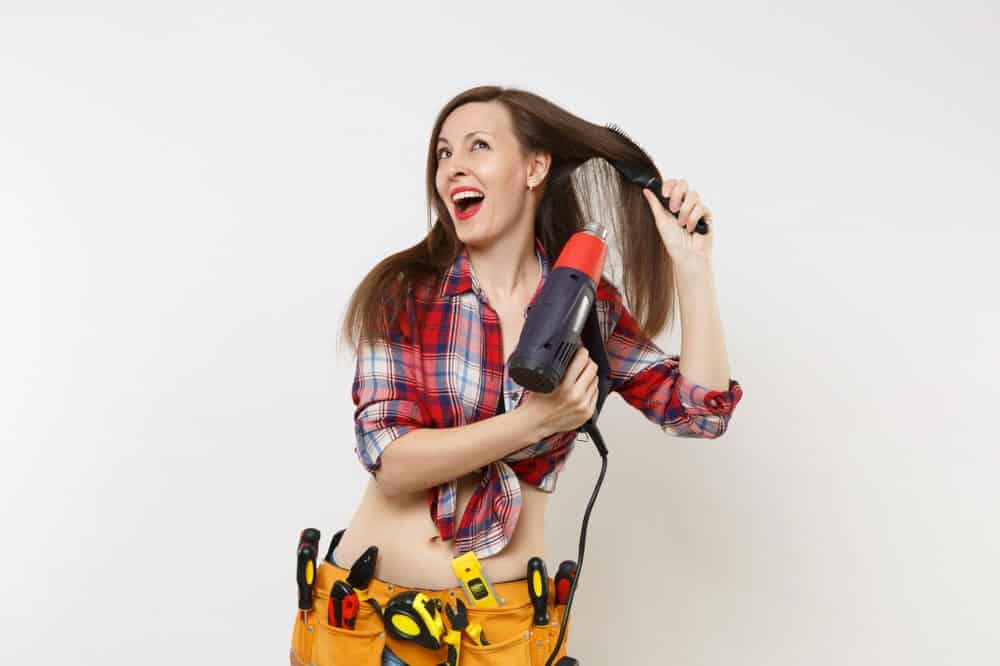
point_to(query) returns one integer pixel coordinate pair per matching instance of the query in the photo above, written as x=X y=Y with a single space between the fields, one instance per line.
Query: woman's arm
x=651 y=380
x=426 y=457
x=704 y=359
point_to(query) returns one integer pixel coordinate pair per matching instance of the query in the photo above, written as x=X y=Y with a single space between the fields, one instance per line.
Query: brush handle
x=655 y=185
x=642 y=177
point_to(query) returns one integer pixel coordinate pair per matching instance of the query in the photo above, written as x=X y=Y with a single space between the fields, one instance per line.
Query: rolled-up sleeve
x=387 y=390
x=651 y=381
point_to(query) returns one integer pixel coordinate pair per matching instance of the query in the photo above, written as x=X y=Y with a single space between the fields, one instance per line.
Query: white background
x=188 y=196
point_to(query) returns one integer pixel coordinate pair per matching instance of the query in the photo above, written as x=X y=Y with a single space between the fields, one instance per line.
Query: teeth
x=467 y=194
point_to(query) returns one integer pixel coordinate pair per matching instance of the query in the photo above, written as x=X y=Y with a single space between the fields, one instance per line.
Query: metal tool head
x=459 y=618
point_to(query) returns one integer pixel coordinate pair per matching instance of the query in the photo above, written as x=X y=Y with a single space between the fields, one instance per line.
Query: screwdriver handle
x=538 y=589
x=305 y=570
x=564 y=581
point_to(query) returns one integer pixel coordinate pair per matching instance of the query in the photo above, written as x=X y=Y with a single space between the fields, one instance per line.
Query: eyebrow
x=441 y=138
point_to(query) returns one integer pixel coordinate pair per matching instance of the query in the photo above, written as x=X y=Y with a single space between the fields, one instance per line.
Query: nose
x=456 y=166
x=454 y=171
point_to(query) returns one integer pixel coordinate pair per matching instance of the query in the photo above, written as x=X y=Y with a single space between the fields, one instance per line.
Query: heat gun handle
x=590 y=337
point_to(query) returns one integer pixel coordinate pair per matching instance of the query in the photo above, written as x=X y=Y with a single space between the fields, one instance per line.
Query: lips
x=464 y=213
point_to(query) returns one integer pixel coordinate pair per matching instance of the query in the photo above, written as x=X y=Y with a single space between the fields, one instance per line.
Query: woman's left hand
x=689 y=251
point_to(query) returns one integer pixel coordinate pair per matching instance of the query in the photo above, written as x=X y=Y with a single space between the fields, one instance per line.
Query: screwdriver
x=564 y=581
x=305 y=572
x=538 y=589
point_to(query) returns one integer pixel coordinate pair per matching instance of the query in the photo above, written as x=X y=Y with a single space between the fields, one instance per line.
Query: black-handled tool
x=333 y=544
x=305 y=570
x=363 y=569
x=538 y=589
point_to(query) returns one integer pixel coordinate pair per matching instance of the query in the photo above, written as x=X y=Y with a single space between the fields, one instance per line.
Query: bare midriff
x=411 y=552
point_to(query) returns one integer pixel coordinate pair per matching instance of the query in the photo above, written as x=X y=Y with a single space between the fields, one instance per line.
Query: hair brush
x=641 y=176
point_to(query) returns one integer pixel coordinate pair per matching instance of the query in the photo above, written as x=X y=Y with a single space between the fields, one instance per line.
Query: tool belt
x=468 y=634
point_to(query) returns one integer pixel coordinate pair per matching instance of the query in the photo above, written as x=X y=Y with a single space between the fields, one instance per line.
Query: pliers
x=459 y=621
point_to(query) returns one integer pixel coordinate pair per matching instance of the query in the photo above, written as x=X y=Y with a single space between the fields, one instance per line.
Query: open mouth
x=468 y=206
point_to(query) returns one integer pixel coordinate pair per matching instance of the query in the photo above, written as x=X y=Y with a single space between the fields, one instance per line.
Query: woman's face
x=477 y=149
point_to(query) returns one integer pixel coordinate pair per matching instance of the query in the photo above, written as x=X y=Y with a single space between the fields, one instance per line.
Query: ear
x=539 y=162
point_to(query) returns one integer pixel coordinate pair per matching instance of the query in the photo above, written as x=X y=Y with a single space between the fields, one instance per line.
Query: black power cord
x=591 y=429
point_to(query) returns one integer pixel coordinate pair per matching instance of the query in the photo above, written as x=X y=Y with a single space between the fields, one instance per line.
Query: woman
x=459 y=454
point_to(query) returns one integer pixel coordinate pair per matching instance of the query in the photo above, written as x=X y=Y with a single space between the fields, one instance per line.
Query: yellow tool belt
x=513 y=639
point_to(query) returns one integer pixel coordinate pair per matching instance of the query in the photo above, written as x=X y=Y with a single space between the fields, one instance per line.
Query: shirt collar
x=461 y=278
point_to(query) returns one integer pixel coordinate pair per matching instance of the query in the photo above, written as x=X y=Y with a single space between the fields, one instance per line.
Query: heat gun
x=563 y=317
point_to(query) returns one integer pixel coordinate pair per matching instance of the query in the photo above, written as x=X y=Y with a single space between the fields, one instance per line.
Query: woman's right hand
x=571 y=403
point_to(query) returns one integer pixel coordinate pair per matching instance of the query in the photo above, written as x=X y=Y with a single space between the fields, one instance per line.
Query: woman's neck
x=507 y=270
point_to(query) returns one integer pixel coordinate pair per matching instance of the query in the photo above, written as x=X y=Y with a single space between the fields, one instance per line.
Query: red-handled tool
x=564 y=581
x=343 y=608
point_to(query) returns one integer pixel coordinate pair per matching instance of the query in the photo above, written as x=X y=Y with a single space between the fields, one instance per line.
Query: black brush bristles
x=642 y=177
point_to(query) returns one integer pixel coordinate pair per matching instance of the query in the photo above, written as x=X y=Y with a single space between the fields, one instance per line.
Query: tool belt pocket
x=512 y=638
x=303 y=639
x=316 y=643
x=348 y=647
x=543 y=639
x=507 y=630
x=336 y=646
x=515 y=650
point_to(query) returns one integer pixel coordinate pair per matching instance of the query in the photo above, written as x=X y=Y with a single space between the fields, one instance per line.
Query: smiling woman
x=481 y=172
x=462 y=459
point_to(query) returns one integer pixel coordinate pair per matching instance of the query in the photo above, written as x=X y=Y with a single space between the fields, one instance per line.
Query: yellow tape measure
x=413 y=616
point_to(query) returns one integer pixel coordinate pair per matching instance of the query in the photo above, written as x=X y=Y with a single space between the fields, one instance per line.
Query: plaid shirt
x=443 y=367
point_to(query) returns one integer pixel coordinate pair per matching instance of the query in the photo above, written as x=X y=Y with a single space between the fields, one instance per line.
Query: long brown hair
x=538 y=124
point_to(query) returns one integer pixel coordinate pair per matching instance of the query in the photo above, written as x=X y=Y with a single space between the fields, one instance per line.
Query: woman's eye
x=473 y=145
